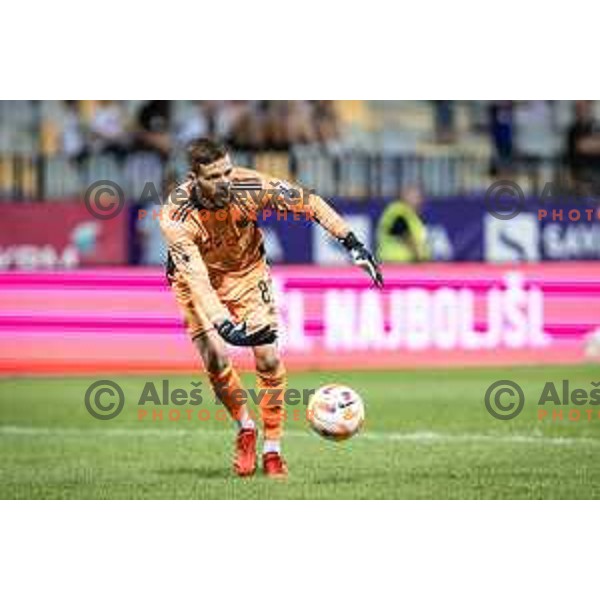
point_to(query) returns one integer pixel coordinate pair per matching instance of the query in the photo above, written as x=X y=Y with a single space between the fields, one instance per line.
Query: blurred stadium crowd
x=50 y=150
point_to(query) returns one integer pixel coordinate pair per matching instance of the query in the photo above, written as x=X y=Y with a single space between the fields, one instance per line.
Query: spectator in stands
x=502 y=132
x=73 y=141
x=583 y=146
x=246 y=125
x=444 y=121
x=401 y=233
x=325 y=120
x=193 y=124
x=288 y=123
x=152 y=146
x=107 y=129
x=154 y=128
x=299 y=122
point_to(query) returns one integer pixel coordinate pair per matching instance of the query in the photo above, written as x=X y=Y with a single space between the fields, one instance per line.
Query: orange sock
x=271 y=405
x=224 y=385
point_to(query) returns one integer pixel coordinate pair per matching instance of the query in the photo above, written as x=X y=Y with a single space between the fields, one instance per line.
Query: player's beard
x=214 y=197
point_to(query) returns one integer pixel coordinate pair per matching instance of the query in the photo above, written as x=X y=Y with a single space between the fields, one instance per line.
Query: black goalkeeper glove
x=362 y=258
x=236 y=335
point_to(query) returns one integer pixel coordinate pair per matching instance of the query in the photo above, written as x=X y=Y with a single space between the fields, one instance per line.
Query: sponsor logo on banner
x=516 y=240
x=509 y=314
x=571 y=241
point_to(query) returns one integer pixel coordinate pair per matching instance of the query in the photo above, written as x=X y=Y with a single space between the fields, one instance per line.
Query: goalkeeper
x=218 y=271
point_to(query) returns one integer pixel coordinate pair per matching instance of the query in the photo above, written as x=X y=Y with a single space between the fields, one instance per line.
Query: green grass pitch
x=427 y=435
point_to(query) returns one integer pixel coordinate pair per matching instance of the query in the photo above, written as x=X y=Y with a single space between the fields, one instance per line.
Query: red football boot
x=274 y=466
x=245 y=453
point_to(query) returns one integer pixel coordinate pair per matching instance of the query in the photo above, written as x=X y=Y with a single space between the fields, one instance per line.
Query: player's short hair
x=204 y=151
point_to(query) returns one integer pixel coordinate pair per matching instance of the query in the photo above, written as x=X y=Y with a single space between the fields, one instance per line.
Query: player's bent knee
x=216 y=362
x=269 y=363
x=213 y=353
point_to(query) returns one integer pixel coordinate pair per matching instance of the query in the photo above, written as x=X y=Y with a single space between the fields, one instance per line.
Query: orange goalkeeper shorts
x=248 y=296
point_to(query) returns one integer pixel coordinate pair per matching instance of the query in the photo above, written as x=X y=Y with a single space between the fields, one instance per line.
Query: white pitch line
x=419 y=437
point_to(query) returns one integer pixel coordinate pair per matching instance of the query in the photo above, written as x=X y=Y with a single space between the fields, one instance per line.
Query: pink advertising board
x=60 y=236
x=125 y=320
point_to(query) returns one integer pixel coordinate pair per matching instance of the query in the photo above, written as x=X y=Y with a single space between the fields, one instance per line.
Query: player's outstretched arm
x=285 y=196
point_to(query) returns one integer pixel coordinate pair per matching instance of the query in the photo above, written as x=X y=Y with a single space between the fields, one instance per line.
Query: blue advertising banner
x=461 y=229
x=455 y=232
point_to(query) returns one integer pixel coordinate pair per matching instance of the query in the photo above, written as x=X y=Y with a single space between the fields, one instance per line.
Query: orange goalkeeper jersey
x=204 y=243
